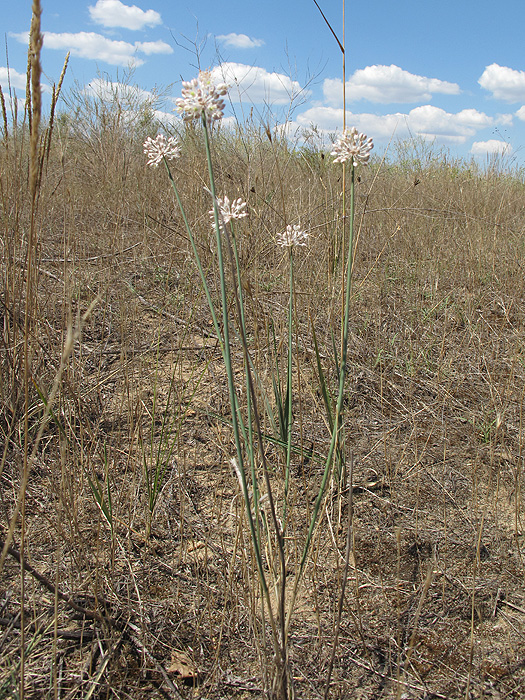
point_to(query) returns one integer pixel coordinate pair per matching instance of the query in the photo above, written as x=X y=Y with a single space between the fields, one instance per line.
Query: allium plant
x=202 y=99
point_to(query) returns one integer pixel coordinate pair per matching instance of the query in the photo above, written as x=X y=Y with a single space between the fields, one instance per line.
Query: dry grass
x=435 y=602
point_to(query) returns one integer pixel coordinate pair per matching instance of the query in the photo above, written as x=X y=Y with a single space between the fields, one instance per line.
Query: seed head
x=293 y=236
x=201 y=96
x=158 y=148
x=352 y=146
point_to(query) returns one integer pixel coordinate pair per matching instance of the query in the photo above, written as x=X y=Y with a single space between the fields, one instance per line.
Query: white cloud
x=256 y=85
x=134 y=102
x=240 y=41
x=14 y=105
x=505 y=119
x=491 y=147
x=521 y=113
x=113 y=13
x=386 y=84
x=504 y=83
x=17 y=80
x=97 y=47
x=230 y=122
x=153 y=47
x=167 y=117
x=108 y=90
x=427 y=121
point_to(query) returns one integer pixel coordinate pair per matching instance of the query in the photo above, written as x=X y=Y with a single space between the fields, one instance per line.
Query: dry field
x=114 y=595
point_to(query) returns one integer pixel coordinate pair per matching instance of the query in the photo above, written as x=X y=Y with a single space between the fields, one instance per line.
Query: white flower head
x=158 y=148
x=201 y=96
x=352 y=146
x=293 y=236
x=228 y=210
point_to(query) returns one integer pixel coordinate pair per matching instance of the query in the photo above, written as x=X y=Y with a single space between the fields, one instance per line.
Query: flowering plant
x=228 y=210
x=158 y=148
x=352 y=146
x=293 y=236
x=202 y=97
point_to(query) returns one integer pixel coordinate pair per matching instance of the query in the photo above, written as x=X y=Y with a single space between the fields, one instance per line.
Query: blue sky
x=452 y=72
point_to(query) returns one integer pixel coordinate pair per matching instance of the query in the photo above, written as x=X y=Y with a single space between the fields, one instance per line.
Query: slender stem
x=349 y=547
x=235 y=409
x=197 y=257
x=289 y=417
x=249 y=409
x=343 y=203
x=339 y=406
x=280 y=646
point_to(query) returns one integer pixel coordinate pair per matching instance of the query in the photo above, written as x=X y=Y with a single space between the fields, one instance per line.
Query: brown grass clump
x=111 y=598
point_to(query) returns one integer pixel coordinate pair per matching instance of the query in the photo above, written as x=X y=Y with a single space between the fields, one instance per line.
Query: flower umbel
x=229 y=210
x=352 y=145
x=201 y=96
x=292 y=237
x=158 y=148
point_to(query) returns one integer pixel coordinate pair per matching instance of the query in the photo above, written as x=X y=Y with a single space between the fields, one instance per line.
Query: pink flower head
x=158 y=148
x=201 y=96
x=229 y=210
x=352 y=146
x=292 y=237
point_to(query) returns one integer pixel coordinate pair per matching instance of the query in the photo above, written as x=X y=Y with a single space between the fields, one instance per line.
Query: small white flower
x=293 y=236
x=201 y=96
x=352 y=146
x=228 y=210
x=158 y=148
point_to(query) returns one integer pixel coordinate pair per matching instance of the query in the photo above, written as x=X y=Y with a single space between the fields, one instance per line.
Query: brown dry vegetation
x=435 y=598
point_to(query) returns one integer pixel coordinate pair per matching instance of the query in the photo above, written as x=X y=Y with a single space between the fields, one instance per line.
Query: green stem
x=197 y=257
x=339 y=407
x=289 y=392
x=235 y=409
x=249 y=408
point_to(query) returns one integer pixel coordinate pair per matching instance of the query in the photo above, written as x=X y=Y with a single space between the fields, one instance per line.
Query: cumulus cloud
x=17 y=80
x=239 y=41
x=133 y=101
x=257 y=85
x=386 y=84
x=504 y=83
x=153 y=47
x=491 y=147
x=97 y=47
x=108 y=90
x=427 y=121
x=521 y=113
x=113 y=13
x=167 y=117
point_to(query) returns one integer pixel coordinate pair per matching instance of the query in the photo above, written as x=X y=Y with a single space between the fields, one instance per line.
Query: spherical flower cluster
x=228 y=210
x=352 y=146
x=201 y=96
x=158 y=148
x=293 y=236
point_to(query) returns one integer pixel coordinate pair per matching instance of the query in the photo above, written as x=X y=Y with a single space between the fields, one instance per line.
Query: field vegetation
x=128 y=566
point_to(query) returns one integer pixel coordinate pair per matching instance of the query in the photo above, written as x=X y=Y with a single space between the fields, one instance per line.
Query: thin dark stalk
x=349 y=548
x=289 y=390
x=282 y=642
